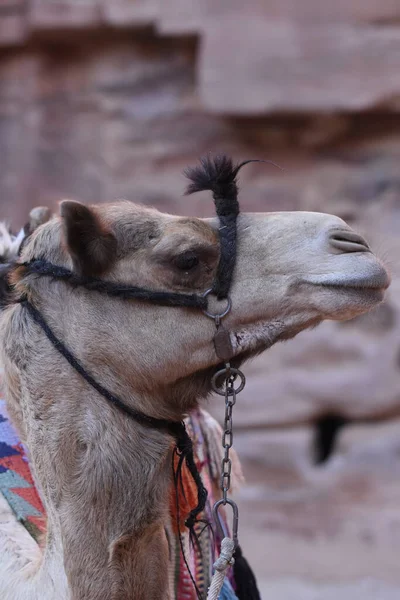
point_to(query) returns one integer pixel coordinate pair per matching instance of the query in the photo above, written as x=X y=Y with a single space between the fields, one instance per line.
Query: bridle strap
x=215 y=174
x=118 y=290
x=218 y=175
x=171 y=427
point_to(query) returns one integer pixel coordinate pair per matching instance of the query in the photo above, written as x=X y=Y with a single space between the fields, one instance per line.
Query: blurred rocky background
x=103 y=99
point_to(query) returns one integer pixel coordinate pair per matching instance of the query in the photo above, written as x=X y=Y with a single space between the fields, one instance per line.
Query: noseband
x=217 y=175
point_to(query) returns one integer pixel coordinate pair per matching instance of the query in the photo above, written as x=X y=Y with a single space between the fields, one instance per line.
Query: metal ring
x=221 y=390
x=220 y=523
x=218 y=315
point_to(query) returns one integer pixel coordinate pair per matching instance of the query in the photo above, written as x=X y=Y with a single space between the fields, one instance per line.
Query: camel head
x=293 y=270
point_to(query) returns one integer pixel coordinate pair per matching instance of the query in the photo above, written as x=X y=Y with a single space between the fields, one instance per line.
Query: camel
x=104 y=477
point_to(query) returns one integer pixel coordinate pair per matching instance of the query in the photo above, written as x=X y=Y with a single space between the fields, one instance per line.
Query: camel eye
x=186 y=261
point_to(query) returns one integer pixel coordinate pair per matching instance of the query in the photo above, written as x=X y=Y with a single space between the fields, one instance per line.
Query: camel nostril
x=348 y=241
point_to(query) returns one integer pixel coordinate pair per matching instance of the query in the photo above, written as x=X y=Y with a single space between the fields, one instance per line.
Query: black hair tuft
x=213 y=173
x=217 y=174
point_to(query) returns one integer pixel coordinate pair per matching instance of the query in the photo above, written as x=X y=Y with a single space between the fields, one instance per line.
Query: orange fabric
x=187 y=496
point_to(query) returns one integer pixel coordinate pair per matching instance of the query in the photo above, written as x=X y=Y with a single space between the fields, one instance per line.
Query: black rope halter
x=218 y=175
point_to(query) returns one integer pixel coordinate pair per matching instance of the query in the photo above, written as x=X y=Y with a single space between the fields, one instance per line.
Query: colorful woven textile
x=206 y=436
x=16 y=484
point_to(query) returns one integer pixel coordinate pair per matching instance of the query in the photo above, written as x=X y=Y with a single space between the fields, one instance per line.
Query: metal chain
x=228 y=375
x=227 y=435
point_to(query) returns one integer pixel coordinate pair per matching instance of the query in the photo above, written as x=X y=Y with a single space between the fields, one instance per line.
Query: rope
x=117 y=290
x=221 y=566
x=175 y=428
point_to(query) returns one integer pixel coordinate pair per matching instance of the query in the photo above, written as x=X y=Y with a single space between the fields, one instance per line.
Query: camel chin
x=335 y=296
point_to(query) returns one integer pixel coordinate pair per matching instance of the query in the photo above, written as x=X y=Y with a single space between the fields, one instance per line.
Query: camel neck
x=174 y=428
x=177 y=429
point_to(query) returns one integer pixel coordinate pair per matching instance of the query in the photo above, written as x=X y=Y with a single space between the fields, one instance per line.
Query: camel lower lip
x=374 y=293
x=375 y=279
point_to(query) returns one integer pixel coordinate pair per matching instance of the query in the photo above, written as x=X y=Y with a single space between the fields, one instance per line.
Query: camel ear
x=92 y=246
x=37 y=216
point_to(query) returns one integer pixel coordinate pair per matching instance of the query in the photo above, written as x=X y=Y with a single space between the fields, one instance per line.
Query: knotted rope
x=221 y=565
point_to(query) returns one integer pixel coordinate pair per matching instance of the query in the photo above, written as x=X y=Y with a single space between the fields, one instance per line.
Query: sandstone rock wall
x=101 y=100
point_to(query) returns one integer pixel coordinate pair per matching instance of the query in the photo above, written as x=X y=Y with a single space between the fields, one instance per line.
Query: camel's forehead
x=124 y=215
x=191 y=227
x=126 y=212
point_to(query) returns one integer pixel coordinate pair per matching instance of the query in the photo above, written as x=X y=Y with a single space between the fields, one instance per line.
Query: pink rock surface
x=286 y=67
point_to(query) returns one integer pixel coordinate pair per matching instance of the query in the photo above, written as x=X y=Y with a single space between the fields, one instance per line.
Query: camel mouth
x=381 y=282
x=357 y=293
x=369 y=288
x=370 y=294
x=373 y=284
